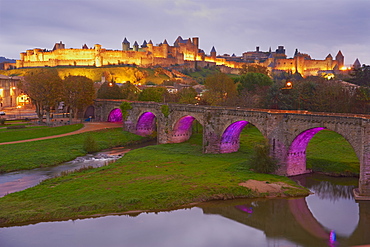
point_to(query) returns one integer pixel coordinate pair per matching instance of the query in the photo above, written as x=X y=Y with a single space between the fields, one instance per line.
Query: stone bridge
x=288 y=132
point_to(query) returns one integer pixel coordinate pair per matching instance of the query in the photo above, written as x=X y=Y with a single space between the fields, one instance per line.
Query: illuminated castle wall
x=182 y=51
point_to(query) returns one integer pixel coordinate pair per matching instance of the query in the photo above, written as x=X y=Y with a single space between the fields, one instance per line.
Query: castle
x=182 y=52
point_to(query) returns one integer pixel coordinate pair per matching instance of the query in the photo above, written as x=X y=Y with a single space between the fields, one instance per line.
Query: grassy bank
x=151 y=178
x=154 y=178
x=50 y=152
x=9 y=135
x=328 y=152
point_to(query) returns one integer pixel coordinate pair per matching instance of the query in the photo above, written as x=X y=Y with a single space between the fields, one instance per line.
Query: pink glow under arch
x=115 y=115
x=182 y=130
x=230 y=138
x=146 y=124
x=296 y=160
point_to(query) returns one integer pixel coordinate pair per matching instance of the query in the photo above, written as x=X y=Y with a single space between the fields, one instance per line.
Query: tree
x=78 y=93
x=43 y=86
x=109 y=90
x=187 y=96
x=253 y=68
x=130 y=91
x=361 y=76
x=156 y=94
x=220 y=89
x=253 y=81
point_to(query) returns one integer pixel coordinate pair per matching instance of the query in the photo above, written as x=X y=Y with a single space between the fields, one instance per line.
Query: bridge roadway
x=288 y=132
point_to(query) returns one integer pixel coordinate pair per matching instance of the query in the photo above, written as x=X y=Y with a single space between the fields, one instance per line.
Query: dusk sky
x=315 y=27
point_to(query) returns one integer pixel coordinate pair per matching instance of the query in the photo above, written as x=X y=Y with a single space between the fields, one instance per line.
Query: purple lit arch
x=182 y=130
x=296 y=161
x=230 y=138
x=146 y=124
x=115 y=115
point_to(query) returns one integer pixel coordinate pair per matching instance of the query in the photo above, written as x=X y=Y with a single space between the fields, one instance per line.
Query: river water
x=329 y=217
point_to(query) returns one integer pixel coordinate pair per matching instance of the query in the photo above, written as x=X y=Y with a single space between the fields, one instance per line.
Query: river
x=328 y=217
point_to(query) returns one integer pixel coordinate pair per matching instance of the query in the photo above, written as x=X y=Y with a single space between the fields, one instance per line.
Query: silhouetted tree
x=187 y=96
x=44 y=87
x=78 y=93
x=109 y=90
x=220 y=89
x=156 y=94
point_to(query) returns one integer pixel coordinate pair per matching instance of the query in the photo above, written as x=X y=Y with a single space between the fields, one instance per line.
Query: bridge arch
x=296 y=155
x=230 y=141
x=182 y=129
x=146 y=124
x=115 y=115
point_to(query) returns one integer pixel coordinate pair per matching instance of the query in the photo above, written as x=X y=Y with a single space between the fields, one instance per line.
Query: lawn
x=9 y=135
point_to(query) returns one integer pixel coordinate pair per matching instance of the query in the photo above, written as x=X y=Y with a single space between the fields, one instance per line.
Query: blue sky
x=316 y=27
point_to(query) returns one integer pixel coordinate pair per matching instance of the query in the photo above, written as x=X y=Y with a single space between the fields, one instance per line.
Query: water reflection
x=258 y=222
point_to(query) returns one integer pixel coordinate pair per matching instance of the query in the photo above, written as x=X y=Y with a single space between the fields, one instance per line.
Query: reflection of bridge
x=291 y=219
x=288 y=132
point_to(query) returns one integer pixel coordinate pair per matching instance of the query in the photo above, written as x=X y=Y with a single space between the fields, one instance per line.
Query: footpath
x=88 y=126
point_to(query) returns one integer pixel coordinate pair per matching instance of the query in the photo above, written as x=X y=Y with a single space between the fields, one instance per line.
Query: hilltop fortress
x=183 y=52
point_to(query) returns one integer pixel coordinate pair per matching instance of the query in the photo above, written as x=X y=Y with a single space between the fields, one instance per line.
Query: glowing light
x=182 y=129
x=245 y=208
x=146 y=124
x=115 y=116
x=296 y=162
x=230 y=137
x=333 y=236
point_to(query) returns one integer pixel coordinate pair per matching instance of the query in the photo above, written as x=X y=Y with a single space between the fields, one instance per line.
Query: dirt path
x=87 y=127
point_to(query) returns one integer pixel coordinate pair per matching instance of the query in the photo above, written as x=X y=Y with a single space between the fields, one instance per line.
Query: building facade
x=183 y=51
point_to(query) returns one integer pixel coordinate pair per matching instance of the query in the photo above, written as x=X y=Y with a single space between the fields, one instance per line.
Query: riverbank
x=152 y=178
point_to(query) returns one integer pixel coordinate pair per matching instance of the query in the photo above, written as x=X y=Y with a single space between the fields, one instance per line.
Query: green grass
x=51 y=152
x=8 y=135
x=154 y=178
x=329 y=152
x=151 y=178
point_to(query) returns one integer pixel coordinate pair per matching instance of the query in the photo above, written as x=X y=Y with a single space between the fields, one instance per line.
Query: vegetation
x=109 y=90
x=43 y=86
x=261 y=161
x=156 y=94
x=9 y=135
x=165 y=110
x=125 y=107
x=78 y=93
x=90 y=145
x=54 y=151
x=150 y=178
x=220 y=89
x=330 y=153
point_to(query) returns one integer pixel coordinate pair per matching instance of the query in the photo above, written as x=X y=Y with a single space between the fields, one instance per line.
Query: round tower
x=125 y=45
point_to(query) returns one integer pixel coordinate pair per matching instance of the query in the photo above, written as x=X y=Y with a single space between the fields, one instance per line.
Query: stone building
x=182 y=52
x=10 y=95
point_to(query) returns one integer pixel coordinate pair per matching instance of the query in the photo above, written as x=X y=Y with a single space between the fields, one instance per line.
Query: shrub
x=125 y=107
x=2 y=121
x=90 y=145
x=261 y=161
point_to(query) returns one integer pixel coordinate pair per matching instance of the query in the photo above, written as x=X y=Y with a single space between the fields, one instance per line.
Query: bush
x=90 y=145
x=261 y=161
x=2 y=121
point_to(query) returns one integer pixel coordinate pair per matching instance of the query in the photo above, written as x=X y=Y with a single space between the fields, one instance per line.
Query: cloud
x=234 y=26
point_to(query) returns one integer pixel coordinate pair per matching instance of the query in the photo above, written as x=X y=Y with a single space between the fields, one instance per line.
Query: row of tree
x=46 y=90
